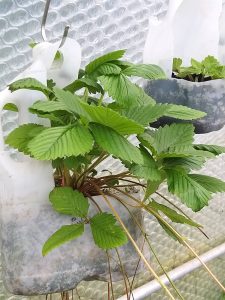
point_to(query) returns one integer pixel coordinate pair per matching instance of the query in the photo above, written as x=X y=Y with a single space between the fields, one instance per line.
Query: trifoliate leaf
x=211 y=184
x=108 y=69
x=115 y=144
x=148 y=170
x=172 y=214
x=122 y=64
x=92 y=66
x=110 y=118
x=48 y=106
x=106 y=233
x=124 y=92
x=62 y=141
x=145 y=172
x=67 y=201
x=147 y=114
x=99 y=114
x=187 y=163
x=183 y=112
x=72 y=102
x=57 y=117
x=92 y=86
x=184 y=151
x=187 y=189
x=172 y=136
x=65 y=234
x=21 y=136
x=216 y=150
x=30 y=84
x=178 y=150
x=145 y=71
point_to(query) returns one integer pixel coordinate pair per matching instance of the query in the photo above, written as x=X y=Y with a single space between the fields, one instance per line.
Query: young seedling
x=208 y=69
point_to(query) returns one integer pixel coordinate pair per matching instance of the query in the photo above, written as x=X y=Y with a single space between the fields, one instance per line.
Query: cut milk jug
x=27 y=217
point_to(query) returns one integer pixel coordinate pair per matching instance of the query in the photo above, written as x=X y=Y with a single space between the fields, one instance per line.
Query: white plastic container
x=27 y=217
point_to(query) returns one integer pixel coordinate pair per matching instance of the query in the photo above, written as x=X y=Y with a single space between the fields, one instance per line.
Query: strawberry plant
x=85 y=129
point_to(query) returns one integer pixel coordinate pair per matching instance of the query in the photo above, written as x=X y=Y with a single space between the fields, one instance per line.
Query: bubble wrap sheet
x=101 y=26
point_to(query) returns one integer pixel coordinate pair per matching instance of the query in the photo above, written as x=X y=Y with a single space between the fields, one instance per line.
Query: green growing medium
x=85 y=129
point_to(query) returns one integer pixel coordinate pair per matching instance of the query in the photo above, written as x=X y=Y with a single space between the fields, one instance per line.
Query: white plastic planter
x=27 y=217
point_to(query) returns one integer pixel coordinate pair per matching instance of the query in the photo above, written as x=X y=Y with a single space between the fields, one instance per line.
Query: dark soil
x=193 y=78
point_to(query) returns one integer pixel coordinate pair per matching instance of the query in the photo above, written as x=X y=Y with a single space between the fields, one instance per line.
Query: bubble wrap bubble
x=101 y=26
